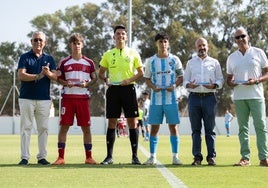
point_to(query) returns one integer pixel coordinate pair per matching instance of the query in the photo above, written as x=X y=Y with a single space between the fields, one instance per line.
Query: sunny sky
x=15 y=15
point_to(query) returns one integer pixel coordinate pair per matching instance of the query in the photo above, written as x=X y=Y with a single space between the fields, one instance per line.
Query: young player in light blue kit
x=228 y=117
x=145 y=108
x=163 y=73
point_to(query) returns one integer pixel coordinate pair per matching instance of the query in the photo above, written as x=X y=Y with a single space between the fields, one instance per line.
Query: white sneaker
x=150 y=161
x=176 y=161
x=146 y=139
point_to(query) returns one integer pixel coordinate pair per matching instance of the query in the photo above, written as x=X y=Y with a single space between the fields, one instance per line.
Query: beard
x=202 y=53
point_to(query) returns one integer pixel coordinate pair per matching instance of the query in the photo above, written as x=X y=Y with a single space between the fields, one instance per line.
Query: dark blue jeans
x=202 y=108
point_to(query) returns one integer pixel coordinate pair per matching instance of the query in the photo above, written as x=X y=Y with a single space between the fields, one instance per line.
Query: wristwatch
x=257 y=81
x=216 y=86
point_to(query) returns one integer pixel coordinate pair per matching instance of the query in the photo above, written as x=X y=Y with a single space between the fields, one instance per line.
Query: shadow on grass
x=199 y=166
x=117 y=166
x=76 y=165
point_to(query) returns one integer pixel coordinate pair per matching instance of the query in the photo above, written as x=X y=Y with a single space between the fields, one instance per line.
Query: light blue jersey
x=163 y=73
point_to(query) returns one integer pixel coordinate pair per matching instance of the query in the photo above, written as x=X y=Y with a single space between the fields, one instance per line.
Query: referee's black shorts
x=120 y=98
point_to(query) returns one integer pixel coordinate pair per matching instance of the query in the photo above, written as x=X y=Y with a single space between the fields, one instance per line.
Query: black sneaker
x=23 y=162
x=43 y=162
x=136 y=161
x=107 y=160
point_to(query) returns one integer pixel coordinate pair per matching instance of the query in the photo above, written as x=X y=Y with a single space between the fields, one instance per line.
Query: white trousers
x=30 y=109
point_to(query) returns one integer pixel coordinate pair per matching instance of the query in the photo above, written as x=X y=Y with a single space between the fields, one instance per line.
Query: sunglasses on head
x=240 y=36
x=36 y=40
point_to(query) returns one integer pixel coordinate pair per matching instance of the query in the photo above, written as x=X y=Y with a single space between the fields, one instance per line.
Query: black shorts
x=120 y=98
x=140 y=124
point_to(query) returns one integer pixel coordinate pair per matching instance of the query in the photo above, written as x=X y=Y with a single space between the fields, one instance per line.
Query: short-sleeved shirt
x=246 y=66
x=40 y=89
x=145 y=108
x=75 y=71
x=121 y=64
x=227 y=117
x=140 y=114
x=163 y=73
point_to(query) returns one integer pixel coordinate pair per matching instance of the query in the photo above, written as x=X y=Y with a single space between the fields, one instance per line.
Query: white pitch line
x=169 y=176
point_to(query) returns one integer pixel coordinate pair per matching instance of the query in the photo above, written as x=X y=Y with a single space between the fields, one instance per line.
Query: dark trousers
x=202 y=108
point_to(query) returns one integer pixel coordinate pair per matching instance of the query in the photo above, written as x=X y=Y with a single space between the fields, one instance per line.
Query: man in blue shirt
x=35 y=70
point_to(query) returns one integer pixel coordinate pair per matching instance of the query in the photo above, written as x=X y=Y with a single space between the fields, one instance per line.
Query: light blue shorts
x=157 y=112
x=227 y=125
x=145 y=122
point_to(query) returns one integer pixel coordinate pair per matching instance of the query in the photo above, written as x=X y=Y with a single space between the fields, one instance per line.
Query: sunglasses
x=240 y=36
x=36 y=40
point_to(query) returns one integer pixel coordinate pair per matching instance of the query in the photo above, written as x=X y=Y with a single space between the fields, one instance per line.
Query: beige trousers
x=30 y=110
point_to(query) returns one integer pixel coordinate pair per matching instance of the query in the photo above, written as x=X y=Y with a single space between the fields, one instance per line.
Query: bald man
x=202 y=77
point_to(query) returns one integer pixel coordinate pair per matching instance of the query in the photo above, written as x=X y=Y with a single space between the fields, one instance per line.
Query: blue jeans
x=202 y=108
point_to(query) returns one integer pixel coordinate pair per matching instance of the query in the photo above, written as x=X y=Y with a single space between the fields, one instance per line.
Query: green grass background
x=122 y=174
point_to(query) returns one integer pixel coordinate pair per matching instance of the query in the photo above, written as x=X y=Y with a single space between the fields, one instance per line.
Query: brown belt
x=202 y=94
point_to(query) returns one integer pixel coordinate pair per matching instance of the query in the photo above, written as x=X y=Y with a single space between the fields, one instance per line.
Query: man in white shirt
x=247 y=68
x=201 y=78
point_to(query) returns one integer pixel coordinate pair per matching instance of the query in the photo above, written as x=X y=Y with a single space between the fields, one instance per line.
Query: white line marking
x=169 y=176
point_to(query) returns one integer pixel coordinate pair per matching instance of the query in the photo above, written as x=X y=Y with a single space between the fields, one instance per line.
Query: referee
x=123 y=66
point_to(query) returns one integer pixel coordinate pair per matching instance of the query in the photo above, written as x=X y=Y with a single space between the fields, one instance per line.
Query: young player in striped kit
x=163 y=73
x=77 y=74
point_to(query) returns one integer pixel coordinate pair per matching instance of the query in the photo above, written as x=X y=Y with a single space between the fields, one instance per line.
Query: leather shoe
x=243 y=162
x=43 y=162
x=196 y=162
x=211 y=162
x=23 y=162
x=264 y=162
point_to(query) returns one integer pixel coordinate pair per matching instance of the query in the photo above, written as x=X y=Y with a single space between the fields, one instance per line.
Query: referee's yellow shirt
x=121 y=64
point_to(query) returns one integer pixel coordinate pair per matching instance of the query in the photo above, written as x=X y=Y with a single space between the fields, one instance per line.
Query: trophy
x=203 y=80
x=241 y=78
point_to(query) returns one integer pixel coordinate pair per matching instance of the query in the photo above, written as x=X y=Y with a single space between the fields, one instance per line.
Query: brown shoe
x=196 y=162
x=264 y=162
x=211 y=162
x=243 y=162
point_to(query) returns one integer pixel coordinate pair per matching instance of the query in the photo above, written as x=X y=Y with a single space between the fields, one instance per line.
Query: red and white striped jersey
x=75 y=71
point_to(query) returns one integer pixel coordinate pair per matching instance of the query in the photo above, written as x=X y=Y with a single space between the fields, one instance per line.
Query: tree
x=9 y=55
x=183 y=20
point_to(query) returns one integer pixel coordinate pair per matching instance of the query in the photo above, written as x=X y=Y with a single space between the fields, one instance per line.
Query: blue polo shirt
x=35 y=90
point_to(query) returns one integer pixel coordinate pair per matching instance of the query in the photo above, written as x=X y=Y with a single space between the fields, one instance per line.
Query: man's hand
x=210 y=86
x=192 y=85
x=45 y=71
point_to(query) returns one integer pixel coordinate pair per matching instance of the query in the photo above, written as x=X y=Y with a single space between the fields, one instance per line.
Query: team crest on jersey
x=63 y=110
x=127 y=59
